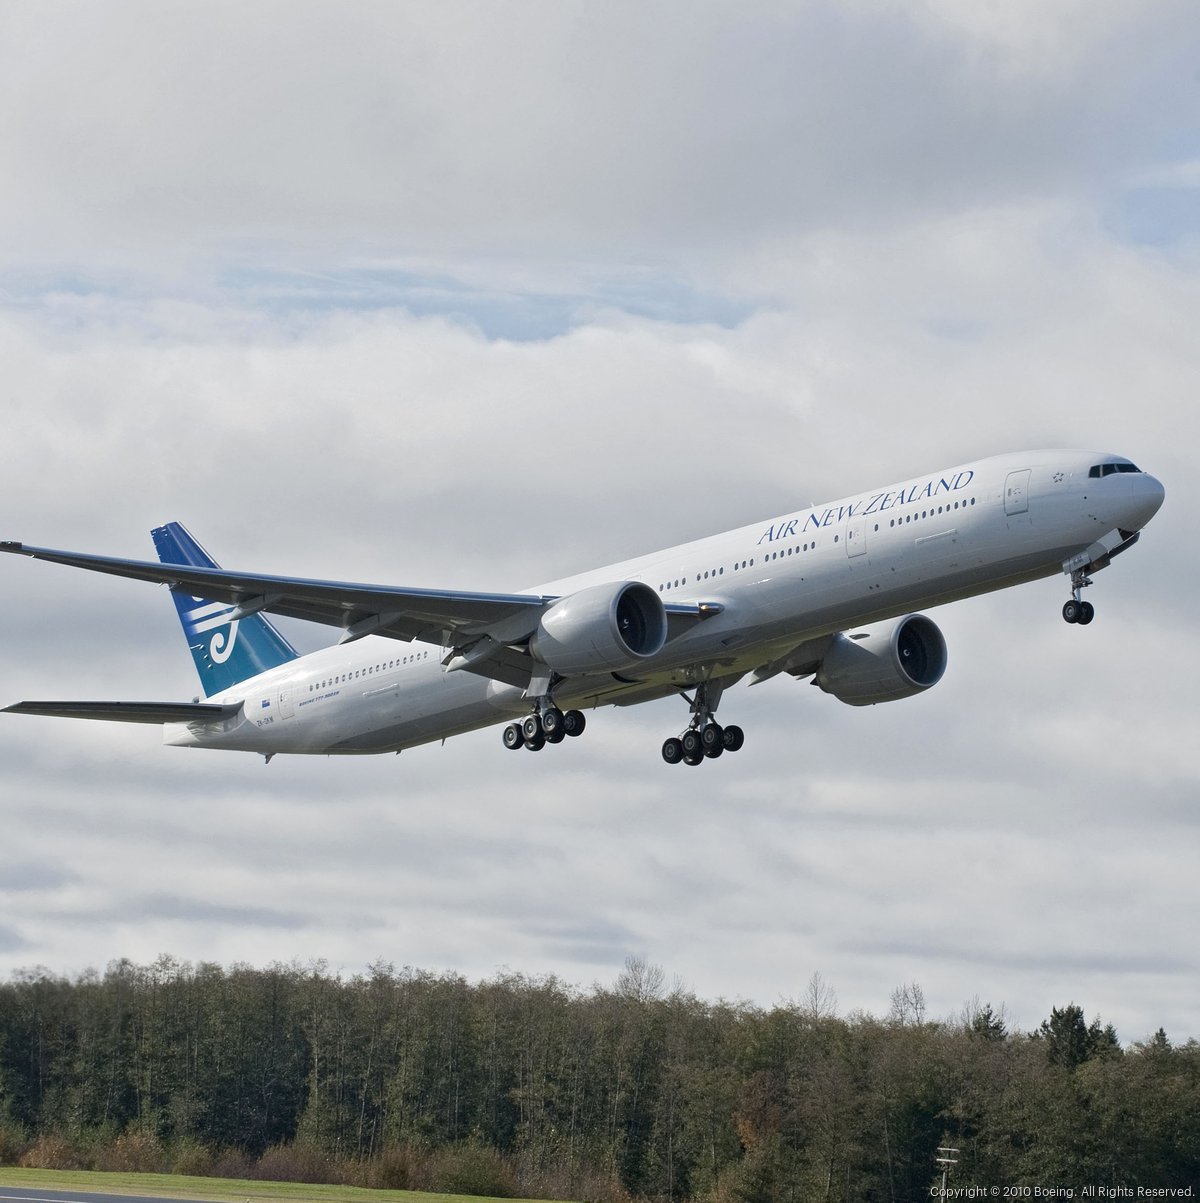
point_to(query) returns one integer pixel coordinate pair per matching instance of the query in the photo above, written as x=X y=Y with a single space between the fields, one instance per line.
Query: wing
x=129 y=712
x=358 y=609
x=480 y=628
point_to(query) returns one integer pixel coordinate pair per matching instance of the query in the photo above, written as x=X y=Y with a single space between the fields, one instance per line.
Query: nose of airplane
x=1146 y=495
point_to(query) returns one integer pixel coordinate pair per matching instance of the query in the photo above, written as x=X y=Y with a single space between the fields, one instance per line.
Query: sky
x=480 y=295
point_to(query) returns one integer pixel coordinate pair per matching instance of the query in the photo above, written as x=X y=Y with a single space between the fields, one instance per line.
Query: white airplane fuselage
x=774 y=585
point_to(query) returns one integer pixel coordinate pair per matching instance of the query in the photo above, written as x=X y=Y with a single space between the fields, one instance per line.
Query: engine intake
x=884 y=662
x=604 y=628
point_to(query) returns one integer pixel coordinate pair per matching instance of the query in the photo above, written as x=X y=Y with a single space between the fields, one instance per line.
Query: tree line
x=529 y=1086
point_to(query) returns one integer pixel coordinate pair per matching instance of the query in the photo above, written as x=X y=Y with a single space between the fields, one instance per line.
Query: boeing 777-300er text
x=826 y=592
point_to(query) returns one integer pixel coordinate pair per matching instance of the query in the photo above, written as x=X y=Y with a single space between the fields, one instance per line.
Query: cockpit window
x=1098 y=470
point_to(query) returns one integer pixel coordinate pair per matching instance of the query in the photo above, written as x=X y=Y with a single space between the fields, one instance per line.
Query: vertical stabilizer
x=226 y=649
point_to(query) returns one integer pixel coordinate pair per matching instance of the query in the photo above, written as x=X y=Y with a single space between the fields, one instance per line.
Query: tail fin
x=225 y=650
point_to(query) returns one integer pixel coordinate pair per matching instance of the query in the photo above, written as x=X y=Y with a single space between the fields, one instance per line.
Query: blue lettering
x=780 y=530
x=814 y=520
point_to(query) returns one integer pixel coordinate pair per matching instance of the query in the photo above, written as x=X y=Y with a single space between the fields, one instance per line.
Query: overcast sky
x=478 y=295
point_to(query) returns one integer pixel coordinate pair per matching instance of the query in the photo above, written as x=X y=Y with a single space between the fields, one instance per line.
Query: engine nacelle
x=604 y=628
x=884 y=662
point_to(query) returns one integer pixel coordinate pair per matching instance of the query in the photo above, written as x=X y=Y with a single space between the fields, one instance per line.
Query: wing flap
x=130 y=712
x=802 y=661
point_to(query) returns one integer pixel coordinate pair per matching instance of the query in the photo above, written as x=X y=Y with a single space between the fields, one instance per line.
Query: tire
x=692 y=743
x=672 y=751
x=556 y=737
x=552 y=720
x=715 y=751
x=710 y=736
x=1086 y=613
x=537 y=744
x=732 y=738
x=1071 y=611
x=694 y=759
x=574 y=722
x=531 y=728
x=513 y=737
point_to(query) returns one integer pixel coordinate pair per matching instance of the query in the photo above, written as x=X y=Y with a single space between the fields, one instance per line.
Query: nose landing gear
x=1076 y=610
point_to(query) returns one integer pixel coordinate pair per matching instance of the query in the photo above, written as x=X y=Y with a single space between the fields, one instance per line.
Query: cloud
x=32 y=877
x=11 y=940
x=552 y=130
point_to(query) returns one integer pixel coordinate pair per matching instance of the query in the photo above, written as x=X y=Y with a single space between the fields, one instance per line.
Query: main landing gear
x=549 y=725
x=1076 y=610
x=705 y=738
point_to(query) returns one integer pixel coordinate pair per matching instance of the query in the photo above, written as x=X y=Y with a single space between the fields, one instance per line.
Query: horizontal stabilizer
x=130 y=712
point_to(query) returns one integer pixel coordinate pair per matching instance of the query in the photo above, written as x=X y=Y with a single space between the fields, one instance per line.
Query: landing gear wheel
x=1086 y=613
x=513 y=737
x=732 y=738
x=705 y=738
x=552 y=721
x=556 y=737
x=537 y=743
x=1071 y=610
x=531 y=729
x=574 y=722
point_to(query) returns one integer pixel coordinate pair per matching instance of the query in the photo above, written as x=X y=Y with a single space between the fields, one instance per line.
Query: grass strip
x=222 y=1190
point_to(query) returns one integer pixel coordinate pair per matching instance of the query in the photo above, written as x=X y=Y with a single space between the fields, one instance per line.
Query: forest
x=529 y=1087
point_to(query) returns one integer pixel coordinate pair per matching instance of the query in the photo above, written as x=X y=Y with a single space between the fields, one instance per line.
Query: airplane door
x=285 y=703
x=856 y=539
x=1016 y=491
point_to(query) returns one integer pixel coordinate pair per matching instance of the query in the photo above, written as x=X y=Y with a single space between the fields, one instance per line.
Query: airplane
x=831 y=593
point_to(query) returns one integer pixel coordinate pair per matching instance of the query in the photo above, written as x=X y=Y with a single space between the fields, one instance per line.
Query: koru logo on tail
x=215 y=617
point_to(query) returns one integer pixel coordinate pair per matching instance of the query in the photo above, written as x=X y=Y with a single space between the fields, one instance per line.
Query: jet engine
x=604 y=628
x=884 y=662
